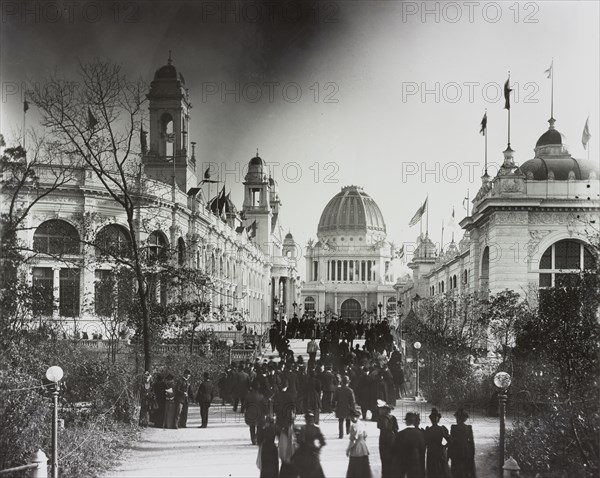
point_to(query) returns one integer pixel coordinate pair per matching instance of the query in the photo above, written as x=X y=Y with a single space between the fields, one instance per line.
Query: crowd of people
x=351 y=382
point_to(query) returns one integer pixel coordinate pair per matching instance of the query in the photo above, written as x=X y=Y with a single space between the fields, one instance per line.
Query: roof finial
x=170 y=59
x=257 y=152
x=551 y=121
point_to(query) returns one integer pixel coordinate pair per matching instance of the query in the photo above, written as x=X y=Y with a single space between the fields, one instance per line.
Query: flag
x=92 y=121
x=170 y=137
x=483 y=129
x=548 y=72
x=143 y=141
x=466 y=201
x=507 y=90
x=25 y=106
x=400 y=253
x=585 y=137
x=207 y=177
x=251 y=229
x=240 y=229
x=452 y=222
x=417 y=217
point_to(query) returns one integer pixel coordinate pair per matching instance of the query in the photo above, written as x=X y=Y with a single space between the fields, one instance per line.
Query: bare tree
x=98 y=119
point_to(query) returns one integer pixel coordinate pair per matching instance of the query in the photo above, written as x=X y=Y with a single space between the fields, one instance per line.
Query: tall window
x=563 y=259
x=112 y=293
x=56 y=237
x=181 y=251
x=69 y=292
x=157 y=246
x=309 y=305
x=315 y=270
x=43 y=291
x=113 y=240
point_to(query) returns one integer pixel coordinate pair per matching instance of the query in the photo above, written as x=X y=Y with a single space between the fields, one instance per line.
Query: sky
x=387 y=95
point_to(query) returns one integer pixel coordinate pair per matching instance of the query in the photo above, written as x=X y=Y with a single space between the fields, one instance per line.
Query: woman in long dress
x=268 y=460
x=461 y=449
x=170 y=418
x=358 y=465
x=437 y=461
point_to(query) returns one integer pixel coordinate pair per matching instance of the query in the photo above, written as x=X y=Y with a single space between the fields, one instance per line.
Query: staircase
x=298 y=346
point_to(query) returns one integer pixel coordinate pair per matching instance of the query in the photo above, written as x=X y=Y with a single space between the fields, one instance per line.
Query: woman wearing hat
x=437 y=460
x=358 y=466
x=388 y=426
x=461 y=449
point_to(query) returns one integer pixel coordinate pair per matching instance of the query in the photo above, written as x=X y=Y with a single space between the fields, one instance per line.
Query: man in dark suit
x=328 y=384
x=183 y=392
x=284 y=407
x=206 y=393
x=241 y=383
x=410 y=450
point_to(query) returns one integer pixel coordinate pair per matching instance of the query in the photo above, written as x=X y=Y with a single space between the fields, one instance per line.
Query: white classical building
x=349 y=270
x=529 y=228
x=250 y=264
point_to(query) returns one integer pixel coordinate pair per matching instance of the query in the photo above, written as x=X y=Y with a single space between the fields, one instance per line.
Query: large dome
x=352 y=211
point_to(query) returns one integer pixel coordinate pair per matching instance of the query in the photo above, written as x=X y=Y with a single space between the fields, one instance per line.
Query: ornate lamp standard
x=417 y=346
x=294 y=305
x=229 y=344
x=502 y=382
x=55 y=375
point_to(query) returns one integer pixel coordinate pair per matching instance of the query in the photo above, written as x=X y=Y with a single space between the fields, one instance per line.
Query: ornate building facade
x=349 y=269
x=529 y=228
x=250 y=265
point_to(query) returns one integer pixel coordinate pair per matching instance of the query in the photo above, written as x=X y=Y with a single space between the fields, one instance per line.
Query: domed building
x=528 y=228
x=348 y=269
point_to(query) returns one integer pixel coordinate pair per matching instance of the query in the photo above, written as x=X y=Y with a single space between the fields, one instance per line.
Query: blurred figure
x=267 y=460
x=170 y=414
x=437 y=459
x=461 y=449
x=409 y=449
x=183 y=392
x=148 y=403
x=205 y=396
x=307 y=459
x=256 y=408
x=345 y=405
x=388 y=427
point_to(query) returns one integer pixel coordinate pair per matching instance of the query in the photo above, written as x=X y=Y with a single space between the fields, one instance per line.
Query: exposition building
x=250 y=265
x=529 y=228
x=349 y=271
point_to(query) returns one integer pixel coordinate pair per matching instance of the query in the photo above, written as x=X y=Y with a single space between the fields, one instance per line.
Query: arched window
x=56 y=237
x=167 y=135
x=442 y=288
x=454 y=281
x=113 y=240
x=157 y=246
x=562 y=260
x=181 y=251
x=309 y=306
x=351 y=310
x=465 y=277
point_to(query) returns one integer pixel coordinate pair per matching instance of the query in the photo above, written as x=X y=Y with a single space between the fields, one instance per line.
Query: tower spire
x=170 y=60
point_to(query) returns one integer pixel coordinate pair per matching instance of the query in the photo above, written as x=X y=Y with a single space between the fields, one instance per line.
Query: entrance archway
x=351 y=310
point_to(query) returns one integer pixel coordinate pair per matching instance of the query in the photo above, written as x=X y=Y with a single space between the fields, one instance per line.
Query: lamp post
x=502 y=382
x=229 y=344
x=294 y=305
x=55 y=374
x=380 y=305
x=417 y=346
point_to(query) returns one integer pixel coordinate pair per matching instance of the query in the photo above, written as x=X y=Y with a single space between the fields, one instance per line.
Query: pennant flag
x=452 y=222
x=483 y=124
x=240 y=229
x=207 y=177
x=92 y=121
x=25 y=106
x=585 y=137
x=507 y=90
x=548 y=72
x=465 y=201
x=417 y=217
x=400 y=253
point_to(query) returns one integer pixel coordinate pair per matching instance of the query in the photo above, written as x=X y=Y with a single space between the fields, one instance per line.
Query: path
x=224 y=449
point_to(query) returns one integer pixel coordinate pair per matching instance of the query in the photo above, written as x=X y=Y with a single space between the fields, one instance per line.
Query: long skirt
x=170 y=417
x=358 y=467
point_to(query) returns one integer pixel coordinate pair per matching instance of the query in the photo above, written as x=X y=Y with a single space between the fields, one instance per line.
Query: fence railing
x=38 y=466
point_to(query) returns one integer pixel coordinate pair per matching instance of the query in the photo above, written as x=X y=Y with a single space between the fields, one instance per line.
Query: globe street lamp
x=417 y=346
x=229 y=344
x=502 y=382
x=55 y=375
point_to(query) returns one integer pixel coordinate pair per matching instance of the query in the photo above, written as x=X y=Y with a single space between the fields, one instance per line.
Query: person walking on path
x=311 y=349
x=461 y=449
x=437 y=458
x=206 y=393
x=409 y=450
x=170 y=412
x=267 y=459
x=388 y=426
x=183 y=392
x=307 y=459
x=256 y=409
x=358 y=465
x=312 y=395
x=148 y=403
x=345 y=405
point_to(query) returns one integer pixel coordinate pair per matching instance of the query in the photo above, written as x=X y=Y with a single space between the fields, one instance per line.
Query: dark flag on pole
x=419 y=214
x=25 y=106
x=92 y=121
x=207 y=177
x=483 y=124
x=507 y=90
x=585 y=137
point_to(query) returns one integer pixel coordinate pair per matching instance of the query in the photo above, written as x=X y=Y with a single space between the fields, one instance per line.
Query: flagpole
x=509 y=109
x=485 y=136
x=442 y=241
x=552 y=89
x=427 y=220
x=468 y=202
x=24 y=116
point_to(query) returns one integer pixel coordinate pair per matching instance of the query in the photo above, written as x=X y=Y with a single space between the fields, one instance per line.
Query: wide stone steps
x=298 y=346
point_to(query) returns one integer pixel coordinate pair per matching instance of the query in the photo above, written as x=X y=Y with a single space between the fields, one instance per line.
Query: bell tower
x=257 y=205
x=169 y=108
